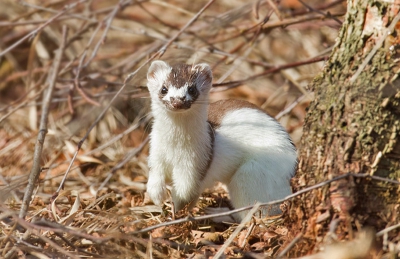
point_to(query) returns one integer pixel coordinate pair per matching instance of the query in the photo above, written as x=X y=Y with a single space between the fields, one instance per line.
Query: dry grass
x=262 y=51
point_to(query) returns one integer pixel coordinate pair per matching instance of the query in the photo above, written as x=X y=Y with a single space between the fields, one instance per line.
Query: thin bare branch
x=34 y=174
x=305 y=190
x=290 y=245
x=164 y=48
x=233 y=84
x=242 y=224
x=328 y=15
x=109 y=19
x=387 y=230
x=290 y=107
x=41 y=27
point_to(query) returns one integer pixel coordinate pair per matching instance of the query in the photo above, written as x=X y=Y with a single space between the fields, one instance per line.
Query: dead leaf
x=205 y=238
x=258 y=247
x=281 y=231
x=88 y=159
x=269 y=235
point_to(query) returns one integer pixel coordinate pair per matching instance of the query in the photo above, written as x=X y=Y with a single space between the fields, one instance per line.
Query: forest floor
x=89 y=200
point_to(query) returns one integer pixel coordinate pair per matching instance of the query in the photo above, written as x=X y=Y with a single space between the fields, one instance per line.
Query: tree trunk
x=353 y=126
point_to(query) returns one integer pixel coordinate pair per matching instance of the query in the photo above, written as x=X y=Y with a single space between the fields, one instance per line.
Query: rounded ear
x=204 y=76
x=155 y=67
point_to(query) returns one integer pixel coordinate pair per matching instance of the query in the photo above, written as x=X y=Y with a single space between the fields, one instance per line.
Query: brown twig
x=233 y=84
x=57 y=247
x=130 y=93
x=290 y=107
x=295 y=20
x=164 y=48
x=246 y=219
x=34 y=174
x=266 y=27
x=58 y=228
x=95 y=21
x=328 y=15
x=30 y=13
x=109 y=19
x=322 y=6
x=77 y=76
x=41 y=27
x=275 y=9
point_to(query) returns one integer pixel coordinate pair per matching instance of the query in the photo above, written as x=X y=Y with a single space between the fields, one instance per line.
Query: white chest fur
x=245 y=149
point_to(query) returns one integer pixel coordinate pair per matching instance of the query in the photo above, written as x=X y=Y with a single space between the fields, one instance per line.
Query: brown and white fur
x=193 y=143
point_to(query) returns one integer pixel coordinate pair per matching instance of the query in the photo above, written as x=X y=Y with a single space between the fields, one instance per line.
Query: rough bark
x=353 y=126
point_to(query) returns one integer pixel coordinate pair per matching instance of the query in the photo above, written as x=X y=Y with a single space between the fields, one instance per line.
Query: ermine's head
x=178 y=87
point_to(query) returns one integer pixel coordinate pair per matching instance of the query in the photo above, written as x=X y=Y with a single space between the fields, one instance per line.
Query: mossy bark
x=353 y=126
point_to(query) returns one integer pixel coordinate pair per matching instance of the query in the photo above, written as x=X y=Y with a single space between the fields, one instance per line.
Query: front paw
x=157 y=191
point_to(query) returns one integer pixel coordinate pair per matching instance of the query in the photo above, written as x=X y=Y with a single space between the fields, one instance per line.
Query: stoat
x=193 y=143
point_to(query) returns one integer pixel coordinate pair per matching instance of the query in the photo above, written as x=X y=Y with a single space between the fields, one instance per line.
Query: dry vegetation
x=64 y=68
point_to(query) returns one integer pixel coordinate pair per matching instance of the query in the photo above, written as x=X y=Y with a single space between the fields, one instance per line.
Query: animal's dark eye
x=164 y=90
x=192 y=90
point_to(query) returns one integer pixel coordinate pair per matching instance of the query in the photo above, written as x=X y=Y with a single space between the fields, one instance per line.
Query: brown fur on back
x=217 y=110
